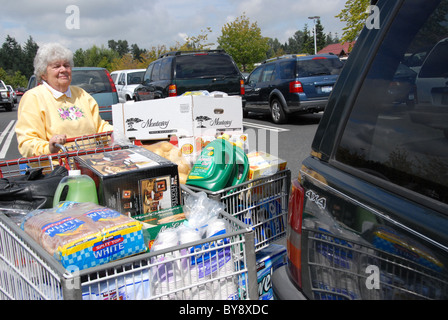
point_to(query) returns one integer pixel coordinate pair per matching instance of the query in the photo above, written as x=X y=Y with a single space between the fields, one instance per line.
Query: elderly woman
x=54 y=111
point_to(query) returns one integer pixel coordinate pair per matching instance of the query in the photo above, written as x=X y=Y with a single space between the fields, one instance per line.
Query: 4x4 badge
x=314 y=197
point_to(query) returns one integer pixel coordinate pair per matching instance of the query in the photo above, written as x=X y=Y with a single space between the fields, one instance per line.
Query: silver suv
x=6 y=98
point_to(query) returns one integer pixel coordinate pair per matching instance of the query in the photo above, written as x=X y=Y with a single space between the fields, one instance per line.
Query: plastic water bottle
x=76 y=187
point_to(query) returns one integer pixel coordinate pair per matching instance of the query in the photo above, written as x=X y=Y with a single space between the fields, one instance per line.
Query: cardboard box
x=133 y=181
x=183 y=116
x=157 y=221
x=264 y=164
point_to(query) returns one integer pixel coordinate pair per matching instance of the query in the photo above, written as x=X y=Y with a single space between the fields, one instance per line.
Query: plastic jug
x=241 y=168
x=214 y=167
x=76 y=187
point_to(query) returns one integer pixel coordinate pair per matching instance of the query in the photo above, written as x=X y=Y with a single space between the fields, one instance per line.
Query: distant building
x=342 y=50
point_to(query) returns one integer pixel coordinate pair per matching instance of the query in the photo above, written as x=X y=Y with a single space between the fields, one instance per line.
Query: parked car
x=126 y=81
x=13 y=93
x=20 y=91
x=6 y=98
x=97 y=82
x=368 y=215
x=291 y=84
x=431 y=81
x=175 y=73
x=32 y=82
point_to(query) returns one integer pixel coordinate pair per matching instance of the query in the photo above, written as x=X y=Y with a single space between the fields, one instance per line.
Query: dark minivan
x=368 y=216
x=291 y=84
x=175 y=73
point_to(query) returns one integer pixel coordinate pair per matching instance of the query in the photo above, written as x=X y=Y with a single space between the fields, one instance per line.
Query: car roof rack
x=178 y=53
x=286 y=56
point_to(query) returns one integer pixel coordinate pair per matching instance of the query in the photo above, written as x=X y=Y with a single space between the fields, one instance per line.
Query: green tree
x=95 y=57
x=321 y=39
x=275 y=48
x=307 y=41
x=199 y=42
x=244 y=42
x=28 y=53
x=354 y=15
x=11 y=55
x=17 y=79
x=137 y=53
x=120 y=46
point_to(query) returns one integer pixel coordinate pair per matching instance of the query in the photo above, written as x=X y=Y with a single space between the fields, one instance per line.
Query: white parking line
x=11 y=129
x=262 y=126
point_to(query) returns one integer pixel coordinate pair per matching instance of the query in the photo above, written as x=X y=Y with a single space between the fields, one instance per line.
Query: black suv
x=368 y=216
x=291 y=84
x=175 y=73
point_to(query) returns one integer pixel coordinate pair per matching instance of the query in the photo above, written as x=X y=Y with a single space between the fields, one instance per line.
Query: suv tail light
x=294 y=240
x=295 y=87
x=242 y=90
x=172 y=90
x=112 y=84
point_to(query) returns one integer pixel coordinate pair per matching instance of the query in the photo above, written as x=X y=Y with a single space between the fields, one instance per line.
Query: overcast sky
x=150 y=23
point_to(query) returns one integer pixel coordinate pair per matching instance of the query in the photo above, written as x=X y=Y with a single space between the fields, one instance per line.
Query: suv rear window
x=135 y=77
x=398 y=127
x=204 y=66
x=318 y=67
x=92 y=81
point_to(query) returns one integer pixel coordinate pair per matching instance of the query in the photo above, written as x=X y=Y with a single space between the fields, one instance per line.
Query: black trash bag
x=33 y=190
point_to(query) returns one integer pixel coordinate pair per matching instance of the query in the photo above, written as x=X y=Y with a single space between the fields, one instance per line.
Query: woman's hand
x=57 y=139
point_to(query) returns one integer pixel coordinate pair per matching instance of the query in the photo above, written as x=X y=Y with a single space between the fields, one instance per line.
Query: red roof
x=338 y=49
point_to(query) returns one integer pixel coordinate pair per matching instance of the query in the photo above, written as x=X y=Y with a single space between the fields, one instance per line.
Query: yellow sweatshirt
x=41 y=116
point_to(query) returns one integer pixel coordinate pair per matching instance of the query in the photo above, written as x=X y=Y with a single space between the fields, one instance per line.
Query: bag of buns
x=84 y=234
x=168 y=151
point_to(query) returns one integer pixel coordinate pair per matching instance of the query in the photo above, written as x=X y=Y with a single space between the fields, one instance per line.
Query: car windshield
x=205 y=66
x=92 y=81
x=136 y=77
x=318 y=66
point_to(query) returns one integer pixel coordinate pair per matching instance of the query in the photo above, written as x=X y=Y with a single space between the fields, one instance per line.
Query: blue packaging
x=268 y=260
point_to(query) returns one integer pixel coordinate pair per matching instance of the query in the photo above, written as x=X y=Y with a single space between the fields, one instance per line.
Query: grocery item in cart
x=168 y=151
x=263 y=164
x=387 y=239
x=32 y=190
x=83 y=235
x=133 y=181
x=157 y=221
x=220 y=165
x=76 y=187
x=206 y=267
x=268 y=260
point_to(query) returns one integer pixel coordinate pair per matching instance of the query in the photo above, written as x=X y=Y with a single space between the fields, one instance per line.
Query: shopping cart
x=224 y=266
x=261 y=203
x=219 y=267
x=345 y=269
x=78 y=146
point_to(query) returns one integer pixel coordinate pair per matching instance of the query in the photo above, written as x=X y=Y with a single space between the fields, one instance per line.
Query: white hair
x=49 y=53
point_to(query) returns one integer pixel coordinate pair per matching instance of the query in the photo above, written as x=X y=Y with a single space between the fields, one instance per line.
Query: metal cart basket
x=220 y=267
x=343 y=269
x=261 y=203
x=78 y=146
x=216 y=269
